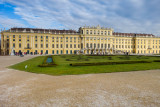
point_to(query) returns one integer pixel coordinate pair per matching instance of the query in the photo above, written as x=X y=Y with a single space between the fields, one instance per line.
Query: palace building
x=88 y=40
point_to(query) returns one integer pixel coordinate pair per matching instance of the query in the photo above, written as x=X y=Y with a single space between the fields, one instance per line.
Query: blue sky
x=131 y=16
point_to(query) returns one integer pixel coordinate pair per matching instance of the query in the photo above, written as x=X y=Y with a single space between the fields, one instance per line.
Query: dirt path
x=125 y=89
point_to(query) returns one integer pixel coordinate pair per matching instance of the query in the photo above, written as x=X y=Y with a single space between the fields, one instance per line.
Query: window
x=41 y=37
x=57 y=39
x=57 y=52
x=70 y=51
x=70 y=45
x=35 y=45
x=28 y=45
x=94 y=45
x=70 y=39
x=108 y=32
x=66 y=39
x=13 y=39
x=78 y=46
x=74 y=45
x=66 y=45
x=41 y=45
x=13 y=36
x=52 y=45
x=87 y=31
x=98 y=32
x=14 y=45
x=19 y=45
x=36 y=37
x=19 y=36
x=101 y=45
x=46 y=45
x=98 y=45
x=91 y=45
x=27 y=36
x=19 y=39
x=94 y=32
x=90 y=31
x=87 y=45
x=61 y=52
x=57 y=45
x=61 y=46
x=46 y=37
x=7 y=36
x=52 y=51
x=101 y=32
x=66 y=51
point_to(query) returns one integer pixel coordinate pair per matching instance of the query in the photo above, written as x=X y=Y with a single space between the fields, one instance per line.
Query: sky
x=128 y=16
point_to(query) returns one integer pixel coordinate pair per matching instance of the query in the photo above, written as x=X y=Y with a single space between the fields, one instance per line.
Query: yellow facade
x=88 y=40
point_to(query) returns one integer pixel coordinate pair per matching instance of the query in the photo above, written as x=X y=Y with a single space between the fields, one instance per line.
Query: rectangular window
x=19 y=45
x=46 y=45
x=52 y=45
x=57 y=45
x=46 y=37
x=57 y=39
x=101 y=32
x=61 y=46
x=19 y=39
x=35 y=45
x=36 y=37
x=70 y=51
x=52 y=51
x=90 y=31
x=14 y=45
x=19 y=36
x=74 y=45
x=70 y=45
x=27 y=36
x=87 y=32
x=13 y=36
x=66 y=45
x=13 y=39
x=41 y=45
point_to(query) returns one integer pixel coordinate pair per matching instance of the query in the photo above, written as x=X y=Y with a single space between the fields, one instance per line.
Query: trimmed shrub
x=108 y=63
x=109 y=58
x=86 y=59
x=156 y=60
x=68 y=60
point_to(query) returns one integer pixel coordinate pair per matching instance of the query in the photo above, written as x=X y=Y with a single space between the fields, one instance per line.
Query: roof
x=132 y=34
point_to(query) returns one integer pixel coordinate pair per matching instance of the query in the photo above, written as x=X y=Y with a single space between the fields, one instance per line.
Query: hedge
x=108 y=63
x=156 y=60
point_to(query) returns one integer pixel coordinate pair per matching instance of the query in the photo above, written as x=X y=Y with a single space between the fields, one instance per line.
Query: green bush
x=68 y=60
x=108 y=63
x=156 y=60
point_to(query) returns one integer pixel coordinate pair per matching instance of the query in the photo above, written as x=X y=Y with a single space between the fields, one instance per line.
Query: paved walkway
x=125 y=89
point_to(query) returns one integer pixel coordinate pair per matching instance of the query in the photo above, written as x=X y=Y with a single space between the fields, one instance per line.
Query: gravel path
x=125 y=89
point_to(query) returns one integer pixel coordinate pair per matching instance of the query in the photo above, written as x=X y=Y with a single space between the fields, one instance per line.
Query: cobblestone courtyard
x=24 y=89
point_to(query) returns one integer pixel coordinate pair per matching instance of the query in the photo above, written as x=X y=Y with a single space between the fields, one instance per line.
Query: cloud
x=6 y=22
x=122 y=15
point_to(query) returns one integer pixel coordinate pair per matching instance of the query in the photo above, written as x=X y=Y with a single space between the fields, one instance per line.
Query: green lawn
x=63 y=67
